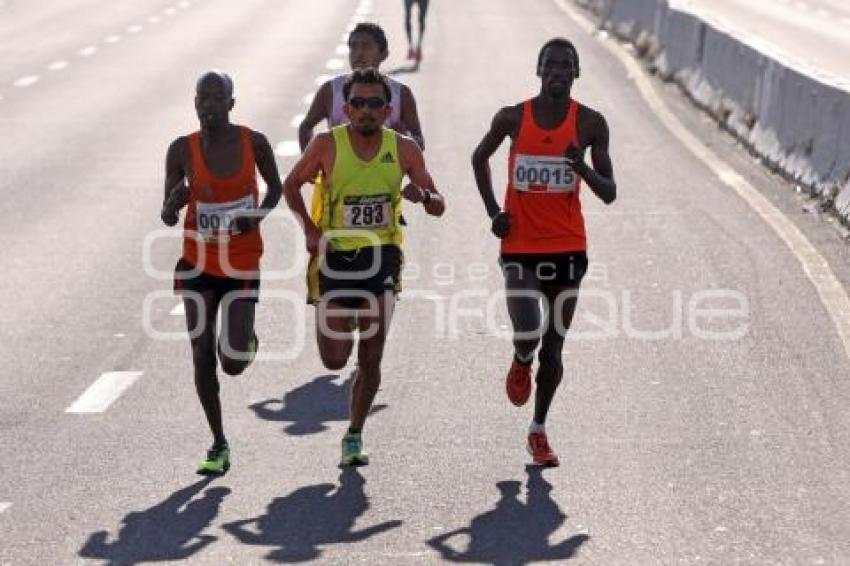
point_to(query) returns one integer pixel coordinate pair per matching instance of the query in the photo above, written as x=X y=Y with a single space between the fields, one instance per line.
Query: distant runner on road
x=543 y=247
x=213 y=171
x=414 y=51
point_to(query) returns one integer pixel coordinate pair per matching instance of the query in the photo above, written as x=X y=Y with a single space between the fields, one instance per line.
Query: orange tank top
x=542 y=198
x=211 y=242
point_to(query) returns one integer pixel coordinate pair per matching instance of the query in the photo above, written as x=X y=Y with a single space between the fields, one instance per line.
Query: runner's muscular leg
x=374 y=326
x=200 y=320
x=560 y=305
x=333 y=334
x=237 y=330
x=523 y=293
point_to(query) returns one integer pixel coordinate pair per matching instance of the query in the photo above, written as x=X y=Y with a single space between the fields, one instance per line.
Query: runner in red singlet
x=543 y=248
x=222 y=245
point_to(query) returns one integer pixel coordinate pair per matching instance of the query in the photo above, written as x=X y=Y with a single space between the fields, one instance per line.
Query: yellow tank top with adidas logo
x=362 y=199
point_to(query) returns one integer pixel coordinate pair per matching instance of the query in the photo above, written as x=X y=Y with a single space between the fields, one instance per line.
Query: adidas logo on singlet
x=387 y=158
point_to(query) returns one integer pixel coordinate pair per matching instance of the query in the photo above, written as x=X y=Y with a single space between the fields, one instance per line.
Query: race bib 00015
x=543 y=173
x=367 y=211
x=216 y=219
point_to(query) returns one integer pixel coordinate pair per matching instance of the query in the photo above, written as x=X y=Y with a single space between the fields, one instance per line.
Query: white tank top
x=338 y=117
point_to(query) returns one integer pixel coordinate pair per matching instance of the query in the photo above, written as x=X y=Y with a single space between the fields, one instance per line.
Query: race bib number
x=543 y=173
x=367 y=211
x=216 y=219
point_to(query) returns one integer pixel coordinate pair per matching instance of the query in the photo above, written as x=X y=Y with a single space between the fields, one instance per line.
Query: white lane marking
x=120 y=335
x=26 y=81
x=178 y=310
x=169 y=11
x=296 y=120
x=335 y=64
x=287 y=148
x=308 y=98
x=135 y=28
x=4 y=505
x=57 y=65
x=112 y=39
x=183 y=4
x=829 y=288
x=342 y=49
x=322 y=79
x=103 y=392
x=154 y=19
x=87 y=51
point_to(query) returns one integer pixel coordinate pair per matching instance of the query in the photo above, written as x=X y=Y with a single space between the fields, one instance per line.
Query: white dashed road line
x=87 y=51
x=57 y=65
x=135 y=28
x=103 y=392
x=26 y=81
x=4 y=506
x=154 y=20
x=287 y=148
x=169 y=11
x=112 y=39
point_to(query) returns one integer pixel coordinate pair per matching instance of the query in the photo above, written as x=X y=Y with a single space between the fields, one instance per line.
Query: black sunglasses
x=374 y=102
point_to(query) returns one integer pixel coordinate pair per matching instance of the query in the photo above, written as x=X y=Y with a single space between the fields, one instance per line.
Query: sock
x=534 y=428
x=524 y=360
x=352 y=430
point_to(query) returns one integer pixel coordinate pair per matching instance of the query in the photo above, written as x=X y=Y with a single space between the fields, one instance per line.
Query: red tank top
x=543 y=192
x=210 y=240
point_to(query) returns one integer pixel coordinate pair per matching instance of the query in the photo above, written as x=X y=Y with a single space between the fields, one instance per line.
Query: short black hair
x=225 y=79
x=558 y=42
x=375 y=31
x=367 y=76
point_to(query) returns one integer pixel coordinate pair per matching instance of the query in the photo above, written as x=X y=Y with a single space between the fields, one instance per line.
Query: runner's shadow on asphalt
x=513 y=532
x=170 y=530
x=308 y=407
x=298 y=524
x=404 y=70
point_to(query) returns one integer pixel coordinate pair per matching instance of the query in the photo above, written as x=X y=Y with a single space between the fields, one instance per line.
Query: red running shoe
x=541 y=453
x=518 y=383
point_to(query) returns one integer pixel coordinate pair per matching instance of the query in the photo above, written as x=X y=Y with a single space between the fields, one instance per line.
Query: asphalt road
x=815 y=33
x=685 y=438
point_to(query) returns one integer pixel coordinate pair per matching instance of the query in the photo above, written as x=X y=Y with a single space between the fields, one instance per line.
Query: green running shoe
x=217 y=461
x=253 y=346
x=352 y=451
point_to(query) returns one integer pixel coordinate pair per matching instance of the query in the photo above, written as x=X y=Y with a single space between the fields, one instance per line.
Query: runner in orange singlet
x=543 y=248
x=222 y=245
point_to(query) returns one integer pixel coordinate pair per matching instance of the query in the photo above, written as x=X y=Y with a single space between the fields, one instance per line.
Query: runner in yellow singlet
x=364 y=165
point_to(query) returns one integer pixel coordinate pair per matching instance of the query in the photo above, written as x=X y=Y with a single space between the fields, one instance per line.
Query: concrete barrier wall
x=797 y=121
